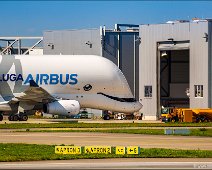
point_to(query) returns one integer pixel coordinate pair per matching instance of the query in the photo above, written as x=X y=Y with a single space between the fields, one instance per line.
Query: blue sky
x=22 y=18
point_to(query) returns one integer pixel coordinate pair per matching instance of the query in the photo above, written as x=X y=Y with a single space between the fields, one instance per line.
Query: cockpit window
x=87 y=87
x=119 y=99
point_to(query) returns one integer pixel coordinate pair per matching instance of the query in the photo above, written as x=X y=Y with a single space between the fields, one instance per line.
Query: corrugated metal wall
x=128 y=50
x=72 y=42
x=210 y=64
x=198 y=63
x=110 y=46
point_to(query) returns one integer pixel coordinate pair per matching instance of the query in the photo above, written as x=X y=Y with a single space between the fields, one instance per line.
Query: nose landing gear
x=1 y=116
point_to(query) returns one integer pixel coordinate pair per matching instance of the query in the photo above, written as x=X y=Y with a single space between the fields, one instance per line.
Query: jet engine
x=5 y=106
x=62 y=107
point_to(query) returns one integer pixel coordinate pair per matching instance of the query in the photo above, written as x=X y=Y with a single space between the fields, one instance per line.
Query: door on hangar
x=173 y=74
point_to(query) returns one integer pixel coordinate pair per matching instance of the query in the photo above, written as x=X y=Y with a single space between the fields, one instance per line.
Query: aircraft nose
x=137 y=106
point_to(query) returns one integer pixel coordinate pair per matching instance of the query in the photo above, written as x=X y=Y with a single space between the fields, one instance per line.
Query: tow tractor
x=168 y=114
x=171 y=114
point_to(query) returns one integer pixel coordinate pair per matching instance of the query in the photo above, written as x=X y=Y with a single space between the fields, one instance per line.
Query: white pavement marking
x=107 y=164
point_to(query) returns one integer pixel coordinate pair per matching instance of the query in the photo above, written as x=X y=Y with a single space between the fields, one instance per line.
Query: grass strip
x=32 y=152
x=99 y=125
x=194 y=132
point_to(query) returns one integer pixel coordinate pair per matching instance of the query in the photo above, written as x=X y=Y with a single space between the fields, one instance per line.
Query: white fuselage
x=92 y=80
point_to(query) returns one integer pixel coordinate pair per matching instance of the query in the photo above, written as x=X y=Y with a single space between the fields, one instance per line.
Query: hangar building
x=175 y=66
x=165 y=64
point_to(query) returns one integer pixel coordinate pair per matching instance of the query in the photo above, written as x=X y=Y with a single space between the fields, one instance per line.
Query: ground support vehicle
x=171 y=114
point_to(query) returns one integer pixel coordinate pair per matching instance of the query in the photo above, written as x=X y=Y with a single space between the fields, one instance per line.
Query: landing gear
x=16 y=117
x=1 y=116
x=10 y=118
x=106 y=117
x=23 y=117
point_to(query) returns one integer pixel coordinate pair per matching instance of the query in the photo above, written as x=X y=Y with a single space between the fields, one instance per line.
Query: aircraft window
x=87 y=87
x=119 y=99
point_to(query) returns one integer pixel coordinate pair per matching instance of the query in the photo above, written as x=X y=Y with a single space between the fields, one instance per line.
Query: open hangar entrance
x=173 y=74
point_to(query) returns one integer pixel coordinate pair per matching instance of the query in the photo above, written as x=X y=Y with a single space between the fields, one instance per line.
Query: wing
x=34 y=94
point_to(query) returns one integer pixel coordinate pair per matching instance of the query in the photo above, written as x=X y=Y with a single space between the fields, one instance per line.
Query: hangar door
x=173 y=74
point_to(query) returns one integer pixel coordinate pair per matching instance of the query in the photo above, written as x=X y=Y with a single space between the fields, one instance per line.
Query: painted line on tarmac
x=128 y=165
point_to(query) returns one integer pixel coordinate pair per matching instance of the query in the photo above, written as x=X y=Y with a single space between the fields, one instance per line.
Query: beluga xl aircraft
x=62 y=85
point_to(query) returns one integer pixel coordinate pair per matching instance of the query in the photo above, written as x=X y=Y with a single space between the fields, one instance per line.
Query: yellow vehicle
x=202 y=115
x=169 y=114
x=186 y=115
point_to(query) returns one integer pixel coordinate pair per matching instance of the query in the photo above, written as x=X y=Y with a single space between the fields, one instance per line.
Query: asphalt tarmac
x=50 y=120
x=122 y=163
x=109 y=139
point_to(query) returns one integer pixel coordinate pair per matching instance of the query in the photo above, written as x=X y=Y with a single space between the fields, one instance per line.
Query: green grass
x=201 y=132
x=32 y=152
x=128 y=131
x=194 y=132
x=99 y=125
